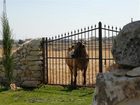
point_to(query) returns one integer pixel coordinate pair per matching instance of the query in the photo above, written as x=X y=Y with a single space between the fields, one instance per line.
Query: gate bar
x=46 y=72
x=44 y=58
x=100 y=48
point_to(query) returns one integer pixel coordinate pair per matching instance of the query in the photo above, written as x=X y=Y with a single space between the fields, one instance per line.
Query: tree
x=7 y=49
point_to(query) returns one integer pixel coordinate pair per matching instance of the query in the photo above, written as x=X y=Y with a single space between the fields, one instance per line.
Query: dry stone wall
x=114 y=89
x=28 y=64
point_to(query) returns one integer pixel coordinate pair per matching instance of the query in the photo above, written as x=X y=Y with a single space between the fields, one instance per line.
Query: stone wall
x=118 y=88
x=1 y=71
x=28 y=64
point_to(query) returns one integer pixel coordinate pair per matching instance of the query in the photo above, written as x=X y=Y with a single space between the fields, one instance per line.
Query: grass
x=47 y=95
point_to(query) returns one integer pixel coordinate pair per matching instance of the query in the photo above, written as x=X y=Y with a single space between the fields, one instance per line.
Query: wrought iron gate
x=98 y=41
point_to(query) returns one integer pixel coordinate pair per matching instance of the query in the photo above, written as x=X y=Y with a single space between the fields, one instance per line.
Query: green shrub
x=7 y=50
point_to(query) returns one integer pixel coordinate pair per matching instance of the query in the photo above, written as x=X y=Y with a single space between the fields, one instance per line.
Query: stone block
x=35 y=68
x=30 y=84
x=34 y=63
x=37 y=74
x=32 y=58
x=116 y=90
x=35 y=53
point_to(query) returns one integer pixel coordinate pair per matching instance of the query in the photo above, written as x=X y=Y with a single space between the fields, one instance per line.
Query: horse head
x=79 y=50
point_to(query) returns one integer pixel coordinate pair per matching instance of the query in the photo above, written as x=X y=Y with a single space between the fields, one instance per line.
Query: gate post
x=44 y=58
x=46 y=73
x=100 y=48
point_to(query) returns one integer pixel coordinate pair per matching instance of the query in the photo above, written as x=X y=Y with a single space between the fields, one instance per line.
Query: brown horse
x=77 y=60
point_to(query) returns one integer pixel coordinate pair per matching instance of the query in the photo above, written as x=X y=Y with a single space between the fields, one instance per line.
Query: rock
x=134 y=72
x=34 y=63
x=30 y=84
x=119 y=72
x=35 y=53
x=35 y=68
x=126 y=45
x=135 y=101
x=13 y=86
x=37 y=74
x=2 y=73
x=32 y=58
x=114 y=90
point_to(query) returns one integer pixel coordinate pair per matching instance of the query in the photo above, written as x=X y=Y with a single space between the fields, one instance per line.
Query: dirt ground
x=59 y=72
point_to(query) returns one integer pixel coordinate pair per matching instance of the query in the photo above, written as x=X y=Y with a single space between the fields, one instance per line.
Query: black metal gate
x=98 y=41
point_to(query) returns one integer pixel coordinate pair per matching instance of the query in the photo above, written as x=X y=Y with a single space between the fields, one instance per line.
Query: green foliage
x=7 y=49
x=47 y=95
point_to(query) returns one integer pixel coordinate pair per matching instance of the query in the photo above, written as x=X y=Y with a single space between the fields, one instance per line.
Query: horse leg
x=75 y=77
x=71 y=73
x=84 y=76
x=71 y=70
x=74 y=73
x=71 y=77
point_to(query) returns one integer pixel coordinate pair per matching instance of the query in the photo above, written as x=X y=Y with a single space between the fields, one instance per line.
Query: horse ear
x=70 y=48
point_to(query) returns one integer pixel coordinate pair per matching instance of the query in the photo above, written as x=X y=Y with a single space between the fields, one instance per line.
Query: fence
x=98 y=41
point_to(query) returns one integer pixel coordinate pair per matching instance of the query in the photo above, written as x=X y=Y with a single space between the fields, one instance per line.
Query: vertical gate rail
x=46 y=72
x=100 y=48
x=43 y=45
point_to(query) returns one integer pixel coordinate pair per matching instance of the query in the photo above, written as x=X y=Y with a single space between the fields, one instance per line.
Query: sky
x=47 y=18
